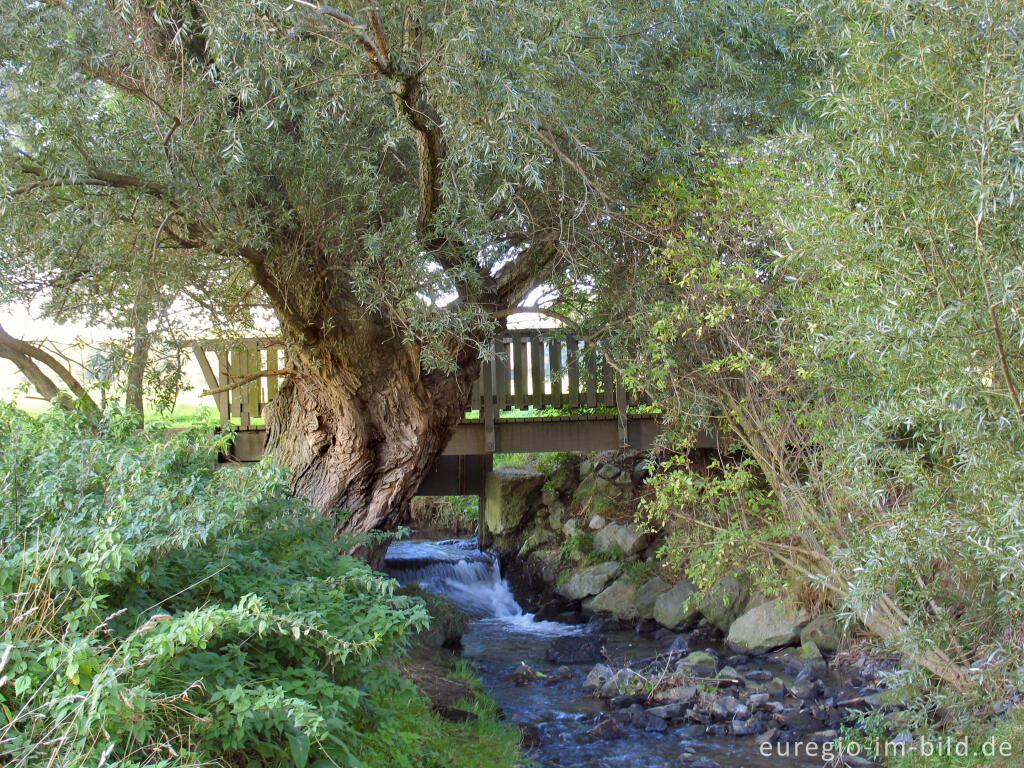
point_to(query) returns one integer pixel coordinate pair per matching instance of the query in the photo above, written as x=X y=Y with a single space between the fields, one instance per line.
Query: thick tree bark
x=361 y=427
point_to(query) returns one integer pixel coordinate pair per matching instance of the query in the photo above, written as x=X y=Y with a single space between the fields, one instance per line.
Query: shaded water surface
x=501 y=637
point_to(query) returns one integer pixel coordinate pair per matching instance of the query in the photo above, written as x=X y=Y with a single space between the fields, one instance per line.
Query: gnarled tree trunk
x=361 y=426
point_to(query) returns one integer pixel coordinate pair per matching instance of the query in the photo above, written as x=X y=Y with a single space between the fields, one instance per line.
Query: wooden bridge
x=530 y=373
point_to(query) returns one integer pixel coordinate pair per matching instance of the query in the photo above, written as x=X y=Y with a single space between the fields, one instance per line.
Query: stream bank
x=660 y=698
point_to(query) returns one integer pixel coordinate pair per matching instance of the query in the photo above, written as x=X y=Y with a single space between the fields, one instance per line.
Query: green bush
x=154 y=611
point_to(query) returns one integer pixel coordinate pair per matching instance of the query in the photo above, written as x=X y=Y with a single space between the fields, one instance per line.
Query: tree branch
x=554 y=315
x=96 y=177
x=24 y=354
x=241 y=382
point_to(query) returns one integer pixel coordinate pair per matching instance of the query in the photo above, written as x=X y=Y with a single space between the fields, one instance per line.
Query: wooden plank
x=537 y=371
x=537 y=435
x=204 y=366
x=530 y=436
x=488 y=408
x=555 y=374
x=502 y=375
x=475 y=394
x=235 y=369
x=519 y=371
x=608 y=379
x=572 y=362
x=222 y=398
x=621 y=413
x=245 y=407
x=273 y=365
x=591 y=364
x=256 y=385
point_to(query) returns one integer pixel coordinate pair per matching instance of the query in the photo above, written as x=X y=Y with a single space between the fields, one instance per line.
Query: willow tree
x=391 y=180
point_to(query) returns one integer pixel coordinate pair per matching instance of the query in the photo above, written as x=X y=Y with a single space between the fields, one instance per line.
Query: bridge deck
x=525 y=369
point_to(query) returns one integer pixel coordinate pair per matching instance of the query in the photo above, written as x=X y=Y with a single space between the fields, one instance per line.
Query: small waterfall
x=469 y=578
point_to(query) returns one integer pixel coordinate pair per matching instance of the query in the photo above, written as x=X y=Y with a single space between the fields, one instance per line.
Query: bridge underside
x=463 y=467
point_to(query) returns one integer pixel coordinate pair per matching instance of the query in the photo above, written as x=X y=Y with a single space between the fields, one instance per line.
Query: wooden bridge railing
x=240 y=360
x=528 y=368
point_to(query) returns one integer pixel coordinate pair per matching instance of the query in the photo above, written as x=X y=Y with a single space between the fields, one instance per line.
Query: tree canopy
x=383 y=161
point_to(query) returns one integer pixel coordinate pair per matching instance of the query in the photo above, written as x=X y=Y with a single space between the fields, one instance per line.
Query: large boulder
x=534 y=541
x=647 y=596
x=674 y=608
x=598 y=495
x=556 y=518
x=447 y=623
x=627 y=539
x=767 y=626
x=576 y=649
x=619 y=600
x=723 y=602
x=823 y=632
x=509 y=494
x=544 y=564
x=588 y=581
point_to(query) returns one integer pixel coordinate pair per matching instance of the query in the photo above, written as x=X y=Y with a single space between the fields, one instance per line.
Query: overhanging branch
x=242 y=381
x=25 y=355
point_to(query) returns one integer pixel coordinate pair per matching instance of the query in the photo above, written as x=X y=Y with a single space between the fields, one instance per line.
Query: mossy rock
x=619 y=600
x=447 y=623
x=647 y=596
x=589 y=581
x=674 y=608
x=510 y=494
x=724 y=601
x=598 y=495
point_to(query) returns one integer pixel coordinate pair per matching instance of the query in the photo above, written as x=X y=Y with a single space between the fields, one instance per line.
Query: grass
x=1000 y=747
x=549 y=412
x=189 y=413
x=445 y=513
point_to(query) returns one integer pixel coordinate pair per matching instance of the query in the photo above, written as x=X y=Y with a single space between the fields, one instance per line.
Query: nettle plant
x=154 y=611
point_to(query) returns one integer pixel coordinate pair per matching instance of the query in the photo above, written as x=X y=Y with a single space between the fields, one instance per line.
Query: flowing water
x=501 y=637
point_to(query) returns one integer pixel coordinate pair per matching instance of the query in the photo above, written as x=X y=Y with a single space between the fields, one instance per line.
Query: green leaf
x=299 y=745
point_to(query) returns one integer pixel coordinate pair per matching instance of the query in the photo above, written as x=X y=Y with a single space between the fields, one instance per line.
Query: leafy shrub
x=154 y=611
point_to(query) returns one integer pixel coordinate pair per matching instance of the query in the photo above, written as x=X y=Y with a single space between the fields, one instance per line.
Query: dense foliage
x=158 y=612
x=334 y=165
x=835 y=193
x=845 y=303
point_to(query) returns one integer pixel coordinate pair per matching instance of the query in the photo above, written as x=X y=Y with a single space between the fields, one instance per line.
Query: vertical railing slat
x=256 y=385
x=622 y=414
x=519 y=370
x=591 y=363
x=608 y=378
x=272 y=365
x=488 y=407
x=501 y=374
x=555 y=372
x=572 y=362
x=241 y=355
x=475 y=401
x=537 y=371
x=234 y=368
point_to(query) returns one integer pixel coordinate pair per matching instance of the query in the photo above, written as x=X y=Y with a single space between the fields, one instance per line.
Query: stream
x=501 y=636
